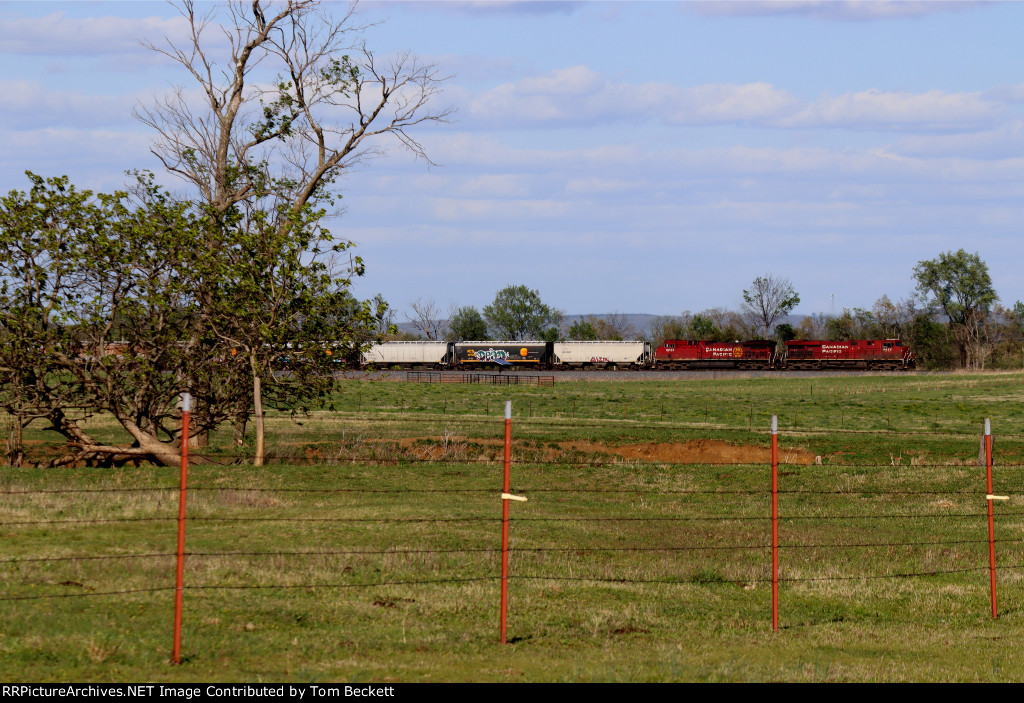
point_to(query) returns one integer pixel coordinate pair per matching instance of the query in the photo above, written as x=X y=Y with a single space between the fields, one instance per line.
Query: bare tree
x=769 y=299
x=893 y=319
x=331 y=102
x=731 y=325
x=814 y=326
x=616 y=326
x=426 y=319
x=669 y=327
x=284 y=99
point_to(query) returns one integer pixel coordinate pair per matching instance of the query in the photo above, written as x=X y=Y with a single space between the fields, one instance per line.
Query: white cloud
x=579 y=95
x=497 y=186
x=56 y=34
x=1013 y=93
x=833 y=10
x=498 y=7
x=728 y=103
x=876 y=109
x=94 y=158
x=32 y=105
x=583 y=170
x=593 y=185
x=1006 y=140
x=573 y=82
x=511 y=210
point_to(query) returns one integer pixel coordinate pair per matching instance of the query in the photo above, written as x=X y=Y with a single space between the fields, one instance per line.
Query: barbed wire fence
x=568 y=534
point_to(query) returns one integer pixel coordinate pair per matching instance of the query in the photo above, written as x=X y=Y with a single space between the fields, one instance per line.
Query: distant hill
x=641 y=321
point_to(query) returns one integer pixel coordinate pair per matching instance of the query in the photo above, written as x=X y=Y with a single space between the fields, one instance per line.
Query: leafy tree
x=96 y=291
x=784 y=333
x=583 y=330
x=768 y=299
x=467 y=324
x=930 y=342
x=551 y=334
x=111 y=304
x=1018 y=309
x=277 y=300
x=703 y=327
x=518 y=313
x=961 y=288
x=851 y=324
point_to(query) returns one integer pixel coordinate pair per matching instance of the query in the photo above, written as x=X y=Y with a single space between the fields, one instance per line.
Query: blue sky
x=634 y=157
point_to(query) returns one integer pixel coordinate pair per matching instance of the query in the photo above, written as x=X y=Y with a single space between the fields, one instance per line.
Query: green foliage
x=784 y=333
x=703 y=327
x=95 y=292
x=583 y=330
x=518 y=313
x=960 y=284
x=467 y=324
x=961 y=288
x=930 y=342
x=551 y=334
x=1018 y=310
x=852 y=324
x=118 y=302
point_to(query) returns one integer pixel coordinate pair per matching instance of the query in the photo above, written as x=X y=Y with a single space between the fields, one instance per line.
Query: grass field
x=369 y=549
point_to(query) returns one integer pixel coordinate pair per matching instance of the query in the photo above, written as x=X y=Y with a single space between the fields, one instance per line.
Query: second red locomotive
x=878 y=354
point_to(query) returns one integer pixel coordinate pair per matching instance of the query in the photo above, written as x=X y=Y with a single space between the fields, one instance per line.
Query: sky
x=635 y=157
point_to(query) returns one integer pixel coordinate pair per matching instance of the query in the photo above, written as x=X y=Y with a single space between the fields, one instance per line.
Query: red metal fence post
x=991 y=516
x=775 y=523
x=506 y=487
x=186 y=405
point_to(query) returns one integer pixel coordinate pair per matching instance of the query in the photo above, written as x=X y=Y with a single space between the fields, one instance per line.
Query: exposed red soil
x=697 y=451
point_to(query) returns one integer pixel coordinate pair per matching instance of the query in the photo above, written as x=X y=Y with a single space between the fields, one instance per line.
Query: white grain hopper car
x=409 y=354
x=601 y=355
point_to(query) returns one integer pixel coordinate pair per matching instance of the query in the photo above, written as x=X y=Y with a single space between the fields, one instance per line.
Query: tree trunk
x=15 y=454
x=239 y=423
x=200 y=439
x=257 y=401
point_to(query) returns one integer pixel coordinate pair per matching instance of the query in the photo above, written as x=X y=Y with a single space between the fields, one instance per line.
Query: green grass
x=621 y=570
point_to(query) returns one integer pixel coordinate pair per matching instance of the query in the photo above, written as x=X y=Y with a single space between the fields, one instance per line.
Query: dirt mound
x=708 y=451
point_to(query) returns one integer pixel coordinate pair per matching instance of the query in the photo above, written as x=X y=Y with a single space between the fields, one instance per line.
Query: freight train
x=673 y=354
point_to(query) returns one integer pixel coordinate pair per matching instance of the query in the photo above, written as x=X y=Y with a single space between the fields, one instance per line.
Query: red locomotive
x=685 y=354
x=854 y=354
